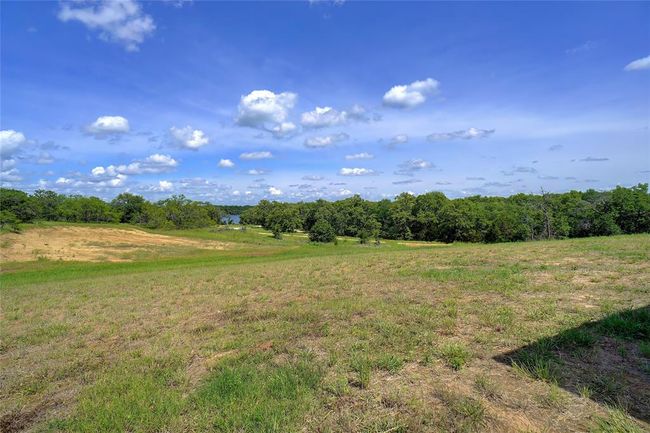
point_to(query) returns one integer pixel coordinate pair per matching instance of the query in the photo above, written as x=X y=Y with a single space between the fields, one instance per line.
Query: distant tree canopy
x=175 y=212
x=434 y=217
x=426 y=217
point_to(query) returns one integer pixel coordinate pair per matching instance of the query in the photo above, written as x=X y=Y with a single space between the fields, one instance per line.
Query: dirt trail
x=90 y=244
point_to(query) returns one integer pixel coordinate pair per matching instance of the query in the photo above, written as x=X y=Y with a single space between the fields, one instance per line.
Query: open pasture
x=281 y=335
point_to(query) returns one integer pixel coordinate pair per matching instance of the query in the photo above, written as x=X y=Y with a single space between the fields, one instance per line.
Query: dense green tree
x=129 y=206
x=257 y=214
x=426 y=209
x=322 y=231
x=184 y=213
x=282 y=218
x=20 y=204
x=401 y=217
x=47 y=203
x=154 y=217
x=78 y=208
x=367 y=228
x=631 y=207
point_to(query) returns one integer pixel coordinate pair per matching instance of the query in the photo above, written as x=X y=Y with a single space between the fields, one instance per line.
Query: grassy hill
x=281 y=336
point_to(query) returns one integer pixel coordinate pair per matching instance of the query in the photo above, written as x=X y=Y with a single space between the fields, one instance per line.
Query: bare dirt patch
x=90 y=244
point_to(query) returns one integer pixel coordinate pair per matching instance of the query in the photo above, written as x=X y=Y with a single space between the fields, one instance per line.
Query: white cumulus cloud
x=10 y=142
x=156 y=163
x=274 y=191
x=410 y=95
x=63 y=181
x=120 y=21
x=188 y=137
x=164 y=186
x=226 y=163
x=264 y=109
x=8 y=172
x=638 y=64
x=322 y=117
x=283 y=129
x=108 y=125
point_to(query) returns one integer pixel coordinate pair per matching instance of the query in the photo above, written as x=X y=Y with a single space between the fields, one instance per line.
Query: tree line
x=175 y=212
x=426 y=217
x=434 y=217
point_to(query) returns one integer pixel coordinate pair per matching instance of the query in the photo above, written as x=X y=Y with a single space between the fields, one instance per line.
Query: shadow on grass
x=606 y=360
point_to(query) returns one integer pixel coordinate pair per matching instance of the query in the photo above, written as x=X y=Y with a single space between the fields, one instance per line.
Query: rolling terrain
x=234 y=331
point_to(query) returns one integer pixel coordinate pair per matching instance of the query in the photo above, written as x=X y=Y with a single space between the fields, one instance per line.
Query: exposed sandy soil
x=90 y=244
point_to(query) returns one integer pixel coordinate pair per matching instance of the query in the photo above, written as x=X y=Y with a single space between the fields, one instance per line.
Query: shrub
x=9 y=221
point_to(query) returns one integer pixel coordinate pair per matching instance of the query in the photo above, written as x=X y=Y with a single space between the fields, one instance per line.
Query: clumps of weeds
x=389 y=362
x=499 y=318
x=537 y=367
x=362 y=366
x=448 y=317
x=464 y=414
x=255 y=393
x=487 y=387
x=585 y=392
x=576 y=339
x=338 y=386
x=628 y=325
x=455 y=355
x=617 y=421
x=553 y=399
x=538 y=362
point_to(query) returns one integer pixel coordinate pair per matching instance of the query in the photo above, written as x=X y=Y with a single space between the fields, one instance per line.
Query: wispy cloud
x=256 y=155
x=410 y=167
x=593 y=159
x=357 y=172
x=122 y=21
x=587 y=46
x=466 y=134
x=325 y=140
x=362 y=155
x=406 y=181
x=638 y=64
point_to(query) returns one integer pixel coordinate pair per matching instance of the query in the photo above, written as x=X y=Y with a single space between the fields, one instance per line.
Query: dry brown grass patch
x=90 y=244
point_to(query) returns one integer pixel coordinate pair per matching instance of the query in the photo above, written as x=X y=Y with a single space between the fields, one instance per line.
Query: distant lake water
x=233 y=218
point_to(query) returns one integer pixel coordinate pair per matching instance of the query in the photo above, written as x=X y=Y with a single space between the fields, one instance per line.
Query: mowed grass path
x=376 y=339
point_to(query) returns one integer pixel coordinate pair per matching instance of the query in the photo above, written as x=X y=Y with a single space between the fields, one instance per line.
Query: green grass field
x=287 y=336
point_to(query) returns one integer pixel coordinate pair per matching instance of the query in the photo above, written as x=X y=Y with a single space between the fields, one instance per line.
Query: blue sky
x=234 y=102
